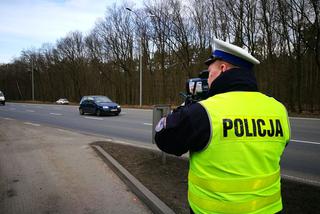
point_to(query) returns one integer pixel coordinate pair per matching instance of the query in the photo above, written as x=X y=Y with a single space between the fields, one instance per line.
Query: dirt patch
x=169 y=181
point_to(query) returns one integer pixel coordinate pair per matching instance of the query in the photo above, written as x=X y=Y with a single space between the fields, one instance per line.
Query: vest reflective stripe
x=212 y=205
x=234 y=185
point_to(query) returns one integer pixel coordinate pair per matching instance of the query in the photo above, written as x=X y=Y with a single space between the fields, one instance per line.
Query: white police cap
x=232 y=54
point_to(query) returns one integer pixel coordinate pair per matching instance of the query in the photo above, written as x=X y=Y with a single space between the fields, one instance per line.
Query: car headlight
x=105 y=107
x=118 y=106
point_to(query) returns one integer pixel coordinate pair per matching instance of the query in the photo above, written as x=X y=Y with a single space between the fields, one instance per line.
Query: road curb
x=151 y=200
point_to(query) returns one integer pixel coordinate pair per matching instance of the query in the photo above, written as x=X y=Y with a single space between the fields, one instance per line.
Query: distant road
x=131 y=124
x=301 y=158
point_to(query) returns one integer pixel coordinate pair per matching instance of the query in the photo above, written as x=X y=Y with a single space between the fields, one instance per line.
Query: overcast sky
x=26 y=24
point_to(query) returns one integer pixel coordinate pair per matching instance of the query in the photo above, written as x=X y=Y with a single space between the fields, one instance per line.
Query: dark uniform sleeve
x=187 y=128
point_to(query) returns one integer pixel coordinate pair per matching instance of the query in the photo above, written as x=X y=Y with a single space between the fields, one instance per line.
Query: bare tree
x=116 y=33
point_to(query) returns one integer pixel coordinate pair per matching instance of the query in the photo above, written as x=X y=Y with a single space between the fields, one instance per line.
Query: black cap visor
x=211 y=60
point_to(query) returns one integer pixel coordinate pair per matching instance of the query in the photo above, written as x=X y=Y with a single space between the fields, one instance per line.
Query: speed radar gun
x=196 y=88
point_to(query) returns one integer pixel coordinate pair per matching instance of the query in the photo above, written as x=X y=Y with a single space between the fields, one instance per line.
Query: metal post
x=140 y=56
x=159 y=111
x=141 y=71
x=32 y=79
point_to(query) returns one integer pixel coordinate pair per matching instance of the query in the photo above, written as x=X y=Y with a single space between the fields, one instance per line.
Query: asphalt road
x=131 y=124
x=301 y=159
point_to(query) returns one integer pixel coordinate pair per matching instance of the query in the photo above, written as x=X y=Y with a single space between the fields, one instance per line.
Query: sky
x=28 y=24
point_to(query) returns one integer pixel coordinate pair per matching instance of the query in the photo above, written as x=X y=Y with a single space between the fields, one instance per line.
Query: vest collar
x=236 y=79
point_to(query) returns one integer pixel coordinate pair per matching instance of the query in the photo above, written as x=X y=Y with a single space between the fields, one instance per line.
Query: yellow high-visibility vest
x=238 y=171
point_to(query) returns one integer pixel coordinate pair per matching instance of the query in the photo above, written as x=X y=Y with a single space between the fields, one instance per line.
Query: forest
x=169 y=40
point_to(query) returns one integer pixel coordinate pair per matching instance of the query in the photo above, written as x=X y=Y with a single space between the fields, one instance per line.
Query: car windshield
x=1 y=94
x=102 y=100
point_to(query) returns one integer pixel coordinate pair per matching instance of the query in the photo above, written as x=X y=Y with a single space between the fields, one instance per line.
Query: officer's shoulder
x=189 y=111
x=276 y=100
x=196 y=109
x=271 y=97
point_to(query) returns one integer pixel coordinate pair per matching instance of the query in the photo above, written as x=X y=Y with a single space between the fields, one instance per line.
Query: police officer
x=235 y=138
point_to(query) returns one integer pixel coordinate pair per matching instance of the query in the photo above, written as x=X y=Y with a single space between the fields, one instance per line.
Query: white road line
x=138 y=109
x=304 y=118
x=303 y=180
x=93 y=118
x=303 y=141
x=58 y=114
x=7 y=118
x=148 y=124
x=12 y=109
x=29 y=110
x=32 y=124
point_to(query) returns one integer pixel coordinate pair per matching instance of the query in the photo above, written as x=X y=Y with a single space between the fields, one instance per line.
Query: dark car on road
x=98 y=105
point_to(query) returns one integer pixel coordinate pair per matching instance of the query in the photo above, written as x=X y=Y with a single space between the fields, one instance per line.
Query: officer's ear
x=223 y=67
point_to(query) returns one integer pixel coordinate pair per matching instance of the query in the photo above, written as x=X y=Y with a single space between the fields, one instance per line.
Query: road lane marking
x=7 y=118
x=12 y=109
x=303 y=180
x=29 y=110
x=57 y=114
x=303 y=141
x=93 y=118
x=32 y=124
x=304 y=118
x=148 y=124
x=138 y=109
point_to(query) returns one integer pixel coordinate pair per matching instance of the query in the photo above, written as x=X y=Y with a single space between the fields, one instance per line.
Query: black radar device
x=196 y=88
